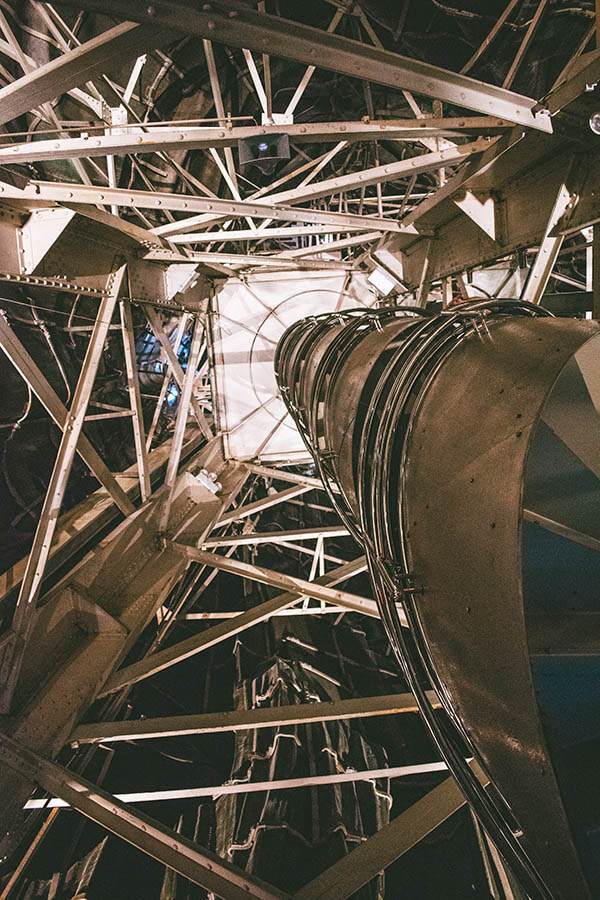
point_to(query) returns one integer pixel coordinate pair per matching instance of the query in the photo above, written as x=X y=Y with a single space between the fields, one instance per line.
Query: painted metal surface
x=425 y=424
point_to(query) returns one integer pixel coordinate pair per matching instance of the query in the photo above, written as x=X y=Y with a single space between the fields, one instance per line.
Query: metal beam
x=156 y=138
x=182 y=416
x=276 y=537
x=135 y=399
x=264 y=503
x=252 y=787
x=163 y=659
x=237 y=25
x=279 y=580
x=77 y=67
x=26 y=367
x=245 y=719
x=284 y=475
x=289 y=231
x=372 y=856
x=14 y=643
x=176 y=370
x=73 y=194
x=403 y=168
x=425 y=162
x=172 y=849
x=247 y=259
x=367 y=238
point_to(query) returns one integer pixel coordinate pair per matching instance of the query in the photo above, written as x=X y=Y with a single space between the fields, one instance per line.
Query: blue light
x=263 y=146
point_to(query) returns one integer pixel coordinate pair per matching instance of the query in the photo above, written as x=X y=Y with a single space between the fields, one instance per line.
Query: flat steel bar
x=528 y=37
x=490 y=37
x=24 y=861
x=238 y=25
x=424 y=162
x=246 y=719
x=180 y=424
x=59 y=192
x=586 y=540
x=26 y=367
x=15 y=641
x=220 y=109
x=176 y=370
x=170 y=656
x=264 y=503
x=356 y=240
x=284 y=475
x=372 y=856
x=291 y=231
x=75 y=67
x=551 y=243
x=156 y=138
x=293 y=611
x=166 y=381
x=253 y=787
x=275 y=537
x=172 y=849
x=135 y=399
x=279 y=580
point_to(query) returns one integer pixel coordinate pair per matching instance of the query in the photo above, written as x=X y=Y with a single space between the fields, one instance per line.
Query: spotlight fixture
x=264 y=151
x=595 y=122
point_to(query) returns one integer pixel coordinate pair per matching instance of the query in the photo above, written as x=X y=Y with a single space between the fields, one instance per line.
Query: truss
x=450 y=215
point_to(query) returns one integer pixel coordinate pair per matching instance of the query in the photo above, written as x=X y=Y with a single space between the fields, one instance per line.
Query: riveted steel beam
x=152 y=837
x=246 y=719
x=76 y=67
x=237 y=25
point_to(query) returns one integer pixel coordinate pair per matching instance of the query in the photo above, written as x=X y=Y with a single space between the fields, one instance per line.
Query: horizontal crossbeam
x=245 y=719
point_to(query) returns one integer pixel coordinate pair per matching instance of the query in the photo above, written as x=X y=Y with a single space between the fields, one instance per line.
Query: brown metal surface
x=463 y=506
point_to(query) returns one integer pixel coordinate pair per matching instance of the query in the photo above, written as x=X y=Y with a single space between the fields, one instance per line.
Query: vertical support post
x=16 y=640
x=181 y=422
x=135 y=400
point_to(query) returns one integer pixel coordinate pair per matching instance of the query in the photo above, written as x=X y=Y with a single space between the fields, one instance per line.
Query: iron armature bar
x=68 y=193
x=234 y=24
x=15 y=641
x=245 y=719
x=253 y=787
x=425 y=162
x=355 y=384
x=345 y=877
x=172 y=849
x=170 y=656
x=72 y=68
x=275 y=537
x=305 y=588
x=242 y=512
x=284 y=475
x=180 y=424
x=135 y=399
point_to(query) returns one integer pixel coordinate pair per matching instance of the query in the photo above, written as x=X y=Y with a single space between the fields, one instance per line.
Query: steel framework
x=448 y=215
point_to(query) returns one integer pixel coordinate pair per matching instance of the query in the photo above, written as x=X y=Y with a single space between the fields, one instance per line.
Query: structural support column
x=135 y=399
x=181 y=422
x=16 y=639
